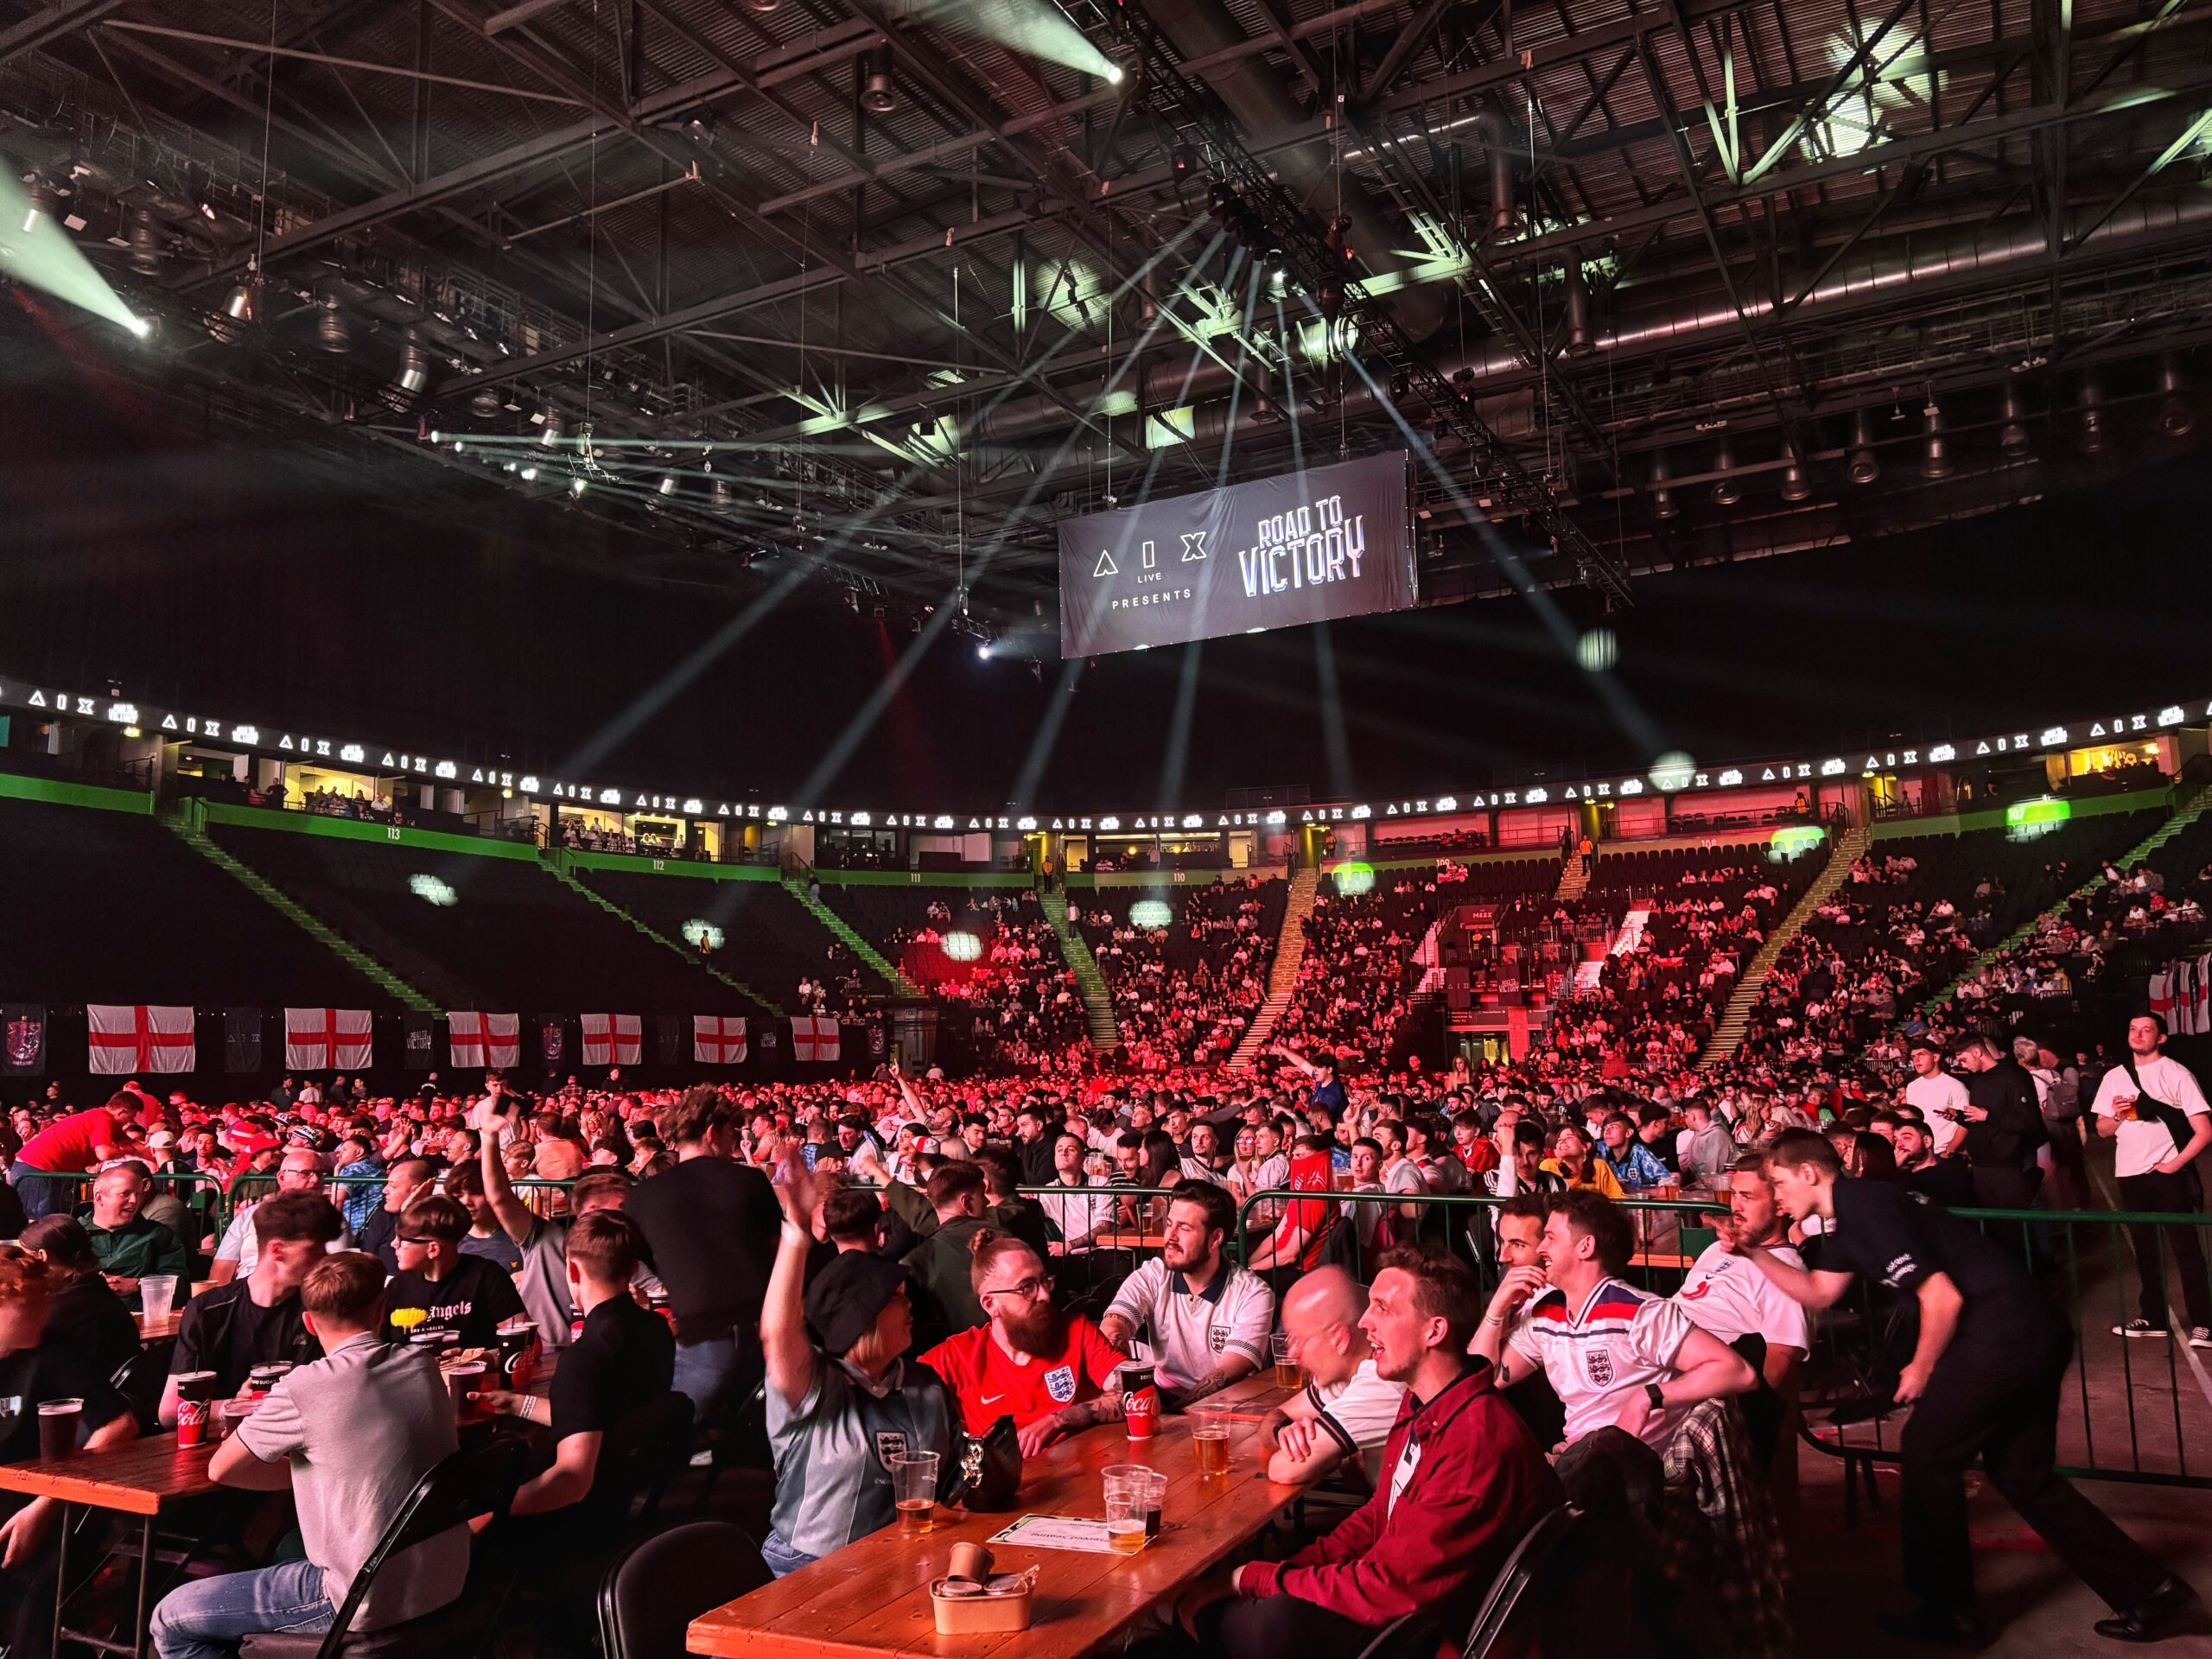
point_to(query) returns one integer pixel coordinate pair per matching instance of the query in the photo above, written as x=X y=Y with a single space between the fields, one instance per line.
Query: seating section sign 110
x=1272 y=553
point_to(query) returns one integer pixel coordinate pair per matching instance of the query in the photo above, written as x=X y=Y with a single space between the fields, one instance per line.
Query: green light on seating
x=1150 y=912
x=1354 y=879
x=1787 y=843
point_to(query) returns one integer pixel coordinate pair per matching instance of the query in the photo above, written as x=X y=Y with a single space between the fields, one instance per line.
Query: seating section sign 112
x=1272 y=553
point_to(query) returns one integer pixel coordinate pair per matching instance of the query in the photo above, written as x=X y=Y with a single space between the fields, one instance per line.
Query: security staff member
x=2004 y=1125
x=1984 y=1380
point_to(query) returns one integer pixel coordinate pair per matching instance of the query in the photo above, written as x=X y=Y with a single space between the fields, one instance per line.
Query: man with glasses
x=1052 y=1371
x=299 y=1171
x=466 y=1295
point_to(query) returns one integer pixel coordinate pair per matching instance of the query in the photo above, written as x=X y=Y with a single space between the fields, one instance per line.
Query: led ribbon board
x=1273 y=553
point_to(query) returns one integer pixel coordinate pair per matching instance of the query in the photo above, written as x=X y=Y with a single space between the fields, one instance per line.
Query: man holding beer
x=2153 y=1111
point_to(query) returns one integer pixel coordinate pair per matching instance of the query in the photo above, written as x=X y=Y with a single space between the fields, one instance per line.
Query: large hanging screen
x=1275 y=553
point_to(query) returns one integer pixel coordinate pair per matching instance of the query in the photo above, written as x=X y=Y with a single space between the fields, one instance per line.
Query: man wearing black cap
x=840 y=1412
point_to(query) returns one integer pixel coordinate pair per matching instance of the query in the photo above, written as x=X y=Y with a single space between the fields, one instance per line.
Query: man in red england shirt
x=81 y=1142
x=1053 y=1373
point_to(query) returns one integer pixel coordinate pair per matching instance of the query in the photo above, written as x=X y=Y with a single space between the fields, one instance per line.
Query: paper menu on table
x=1057 y=1532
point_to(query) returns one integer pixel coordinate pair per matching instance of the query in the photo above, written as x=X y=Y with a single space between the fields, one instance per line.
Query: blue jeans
x=714 y=1374
x=781 y=1557
x=43 y=1195
x=206 y=1617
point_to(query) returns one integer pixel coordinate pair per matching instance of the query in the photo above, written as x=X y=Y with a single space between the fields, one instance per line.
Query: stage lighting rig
x=1249 y=203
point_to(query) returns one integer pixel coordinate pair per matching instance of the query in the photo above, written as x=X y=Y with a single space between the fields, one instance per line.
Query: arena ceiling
x=861 y=295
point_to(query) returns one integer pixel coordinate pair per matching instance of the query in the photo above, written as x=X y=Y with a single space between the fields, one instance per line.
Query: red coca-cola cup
x=1140 y=1402
x=195 y=1395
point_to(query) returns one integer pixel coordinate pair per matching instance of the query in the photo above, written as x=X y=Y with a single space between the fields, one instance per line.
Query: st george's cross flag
x=718 y=1040
x=327 y=1040
x=814 y=1036
x=493 y=1040
x=127 y=1037
x=612 y=1039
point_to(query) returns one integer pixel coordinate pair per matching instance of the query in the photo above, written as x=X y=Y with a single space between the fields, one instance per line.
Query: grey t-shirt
x=361 y=1427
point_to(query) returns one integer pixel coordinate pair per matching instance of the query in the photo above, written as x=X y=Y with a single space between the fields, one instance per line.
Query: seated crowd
x=860 y=1259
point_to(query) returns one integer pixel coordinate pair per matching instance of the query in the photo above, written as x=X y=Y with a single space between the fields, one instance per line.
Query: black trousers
x=2010 y=1422
x=2151 y=1191
x=1269 y=1627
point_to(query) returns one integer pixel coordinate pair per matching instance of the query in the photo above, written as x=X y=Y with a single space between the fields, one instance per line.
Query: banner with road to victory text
x=1273 y=553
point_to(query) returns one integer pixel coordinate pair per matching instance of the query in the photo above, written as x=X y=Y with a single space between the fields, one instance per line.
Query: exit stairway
x=557 y=864
x=1573 y=877
x=1097 y=1002
x=1736 y=1018
x=894 y=976
x=1282 y=977
x=185 y=823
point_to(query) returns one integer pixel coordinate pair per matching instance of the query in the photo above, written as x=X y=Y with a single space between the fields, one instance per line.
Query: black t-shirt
x=711 y=1223
x=49 y=1372
x=624 y=1359
x=473 y=1300
x=86 y=1319
x=1897 y=1239
x=226 y=1331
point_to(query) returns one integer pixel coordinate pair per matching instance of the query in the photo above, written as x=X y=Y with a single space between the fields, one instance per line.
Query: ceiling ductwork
x=1263 y=105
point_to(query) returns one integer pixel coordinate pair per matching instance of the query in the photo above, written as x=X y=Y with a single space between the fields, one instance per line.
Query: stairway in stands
x=1843 y=853
x=1282 y=978
x=1097 y=1002
x=556 y=865
x=185 y=823
x=2186 y=814
x=1573 y=877
x=892 y=975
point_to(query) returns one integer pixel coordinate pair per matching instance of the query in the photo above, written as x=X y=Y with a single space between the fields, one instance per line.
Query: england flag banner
x=718 y=1039
x=327 y=1040
x=1272 y=553
x=487 y=1040
x=814 y=1037
x=127 y=1037
x=612 y=1039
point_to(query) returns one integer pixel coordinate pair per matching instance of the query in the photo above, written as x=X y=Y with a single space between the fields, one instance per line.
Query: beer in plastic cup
x=1210 y=1440
x=1125 y=1511
x=464 y=1379
x=913 y=1490
x=157 y=1297
x=1289 y=1374
x=58 y=1420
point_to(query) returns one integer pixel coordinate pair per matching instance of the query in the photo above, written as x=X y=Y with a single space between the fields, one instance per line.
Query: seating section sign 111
x=1272 y=553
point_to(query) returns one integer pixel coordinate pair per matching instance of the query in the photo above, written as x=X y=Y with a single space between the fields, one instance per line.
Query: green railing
x=2129 y=1411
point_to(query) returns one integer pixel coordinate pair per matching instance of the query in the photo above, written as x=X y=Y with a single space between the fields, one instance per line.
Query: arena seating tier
x=512 y=937
x=112 y=907
x=770 y=940
x=1184 y=993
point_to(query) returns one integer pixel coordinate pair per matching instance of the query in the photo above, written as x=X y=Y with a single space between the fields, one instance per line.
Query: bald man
x=1346 y=1411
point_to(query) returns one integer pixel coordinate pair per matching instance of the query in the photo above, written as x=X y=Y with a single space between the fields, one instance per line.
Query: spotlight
x=576 y=487
x=983 y=652
x=1726 y=491
x=2176 y=418
x=667 y=484
x=719 y=498
x=236 y=314
x=413 y=374
x=2092 y=440
x=1860 y=465
x=1114 y=74
x=529 y=475
x=2013 y=438
x=1795 y=486
x=1186 y=161
x=879 y=96
x=484 y=404
x=146 y=243
x=332 y=333
x=1663 y=504
x=551 y=435
x=1936 y=462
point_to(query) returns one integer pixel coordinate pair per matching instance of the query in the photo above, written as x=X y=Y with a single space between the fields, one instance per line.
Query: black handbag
x=990 y=1468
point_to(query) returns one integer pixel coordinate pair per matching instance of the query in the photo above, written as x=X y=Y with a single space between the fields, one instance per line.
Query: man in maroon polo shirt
x=1462 y=1481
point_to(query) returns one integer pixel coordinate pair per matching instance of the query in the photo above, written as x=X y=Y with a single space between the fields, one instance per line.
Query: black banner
x=415 y=1045
x=1273 y=553
x=22 y=1038
x=552 y=1041
x=669 y=1031
x=242 y=1039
